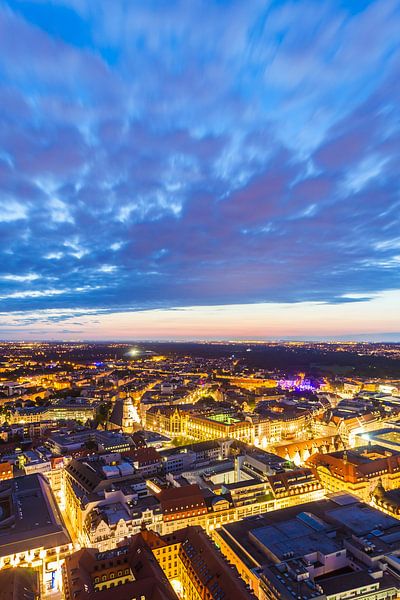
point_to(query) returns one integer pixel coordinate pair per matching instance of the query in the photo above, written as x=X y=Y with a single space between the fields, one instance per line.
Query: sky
x=199 y=169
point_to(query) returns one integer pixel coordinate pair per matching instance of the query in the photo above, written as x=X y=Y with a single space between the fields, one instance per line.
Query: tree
x=103 y=412
x=91 y=446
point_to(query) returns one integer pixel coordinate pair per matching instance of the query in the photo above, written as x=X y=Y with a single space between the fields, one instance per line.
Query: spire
x=379 y=490
x=143 y=526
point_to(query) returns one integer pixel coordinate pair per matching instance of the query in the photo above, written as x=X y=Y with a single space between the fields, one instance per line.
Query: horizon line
x=358 y=338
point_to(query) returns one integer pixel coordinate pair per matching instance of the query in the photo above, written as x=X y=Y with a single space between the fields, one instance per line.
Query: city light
x=199 y=300
x=133 y=352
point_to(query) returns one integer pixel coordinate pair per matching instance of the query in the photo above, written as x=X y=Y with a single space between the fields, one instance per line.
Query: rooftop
x=145 y=577
x=29 y=517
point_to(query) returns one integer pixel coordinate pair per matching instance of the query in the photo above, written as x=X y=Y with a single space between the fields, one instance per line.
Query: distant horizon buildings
x=375 y=338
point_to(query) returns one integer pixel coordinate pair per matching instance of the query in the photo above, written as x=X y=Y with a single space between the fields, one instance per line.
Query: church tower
x=124 y=414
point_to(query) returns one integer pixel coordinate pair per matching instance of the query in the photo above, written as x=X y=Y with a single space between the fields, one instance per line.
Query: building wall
x=361 y=487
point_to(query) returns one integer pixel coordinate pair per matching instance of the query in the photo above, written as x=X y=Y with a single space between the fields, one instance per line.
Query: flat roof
x=293 y=536
x=35 y=521
x=361 y=519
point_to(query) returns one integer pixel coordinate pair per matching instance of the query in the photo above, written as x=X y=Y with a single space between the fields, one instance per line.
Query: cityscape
x=228 y=478
x=199 y=300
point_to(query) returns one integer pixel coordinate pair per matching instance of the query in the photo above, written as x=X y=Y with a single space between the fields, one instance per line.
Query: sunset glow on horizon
x=234 y=322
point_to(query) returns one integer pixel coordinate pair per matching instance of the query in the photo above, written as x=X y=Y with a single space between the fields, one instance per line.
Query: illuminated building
x=387 y=437
x=352 y=425
x=299 y=451
x=107 y=441
x=124 y=414
x=253 y=495
x=358 y=471
x=388 y=501
x=351 y=388
x=28 y=415
x=182 y=503
x=325 y=550
x=322 y=426
x=278 y=423
x=147 y=461
x=91 y=483
x=295 y=487
x=152 y=567
x=115 y=521
x=195 y=567
x=125 y=573
x=105 y=504
x=348 y=423
x=168 y=421
x=219 y=426
x=250 y=383
x=182 y=458
x=176 y=422
x=32 y=532
x=56 y=412
x=51 y=467
x=6 y=470
x=299 y=384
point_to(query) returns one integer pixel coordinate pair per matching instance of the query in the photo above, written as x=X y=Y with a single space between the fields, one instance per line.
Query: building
x=300 y=450
x=170 y=421
x=107 y=498
x=32 y=531
x=125 y=573
x=195 y=567
x=330 y=549
x=176 y=460
x=147 y=461
x=51 y=467
x=181 y=503
x=109 y=483
x=278 y=423
x=179 y=422
x=72 y=441
x=6 y=470
x=124 y=414
x=349 y=425
x=388 y=501
x=357 y=471
x=57 y=412
x=220 y=425
x=19 y=584
x=186 y=564
x=387 y=437
x=297 y=486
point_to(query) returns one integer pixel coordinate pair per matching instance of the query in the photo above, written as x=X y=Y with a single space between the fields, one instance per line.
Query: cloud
x=156 y=154
x=11 y=210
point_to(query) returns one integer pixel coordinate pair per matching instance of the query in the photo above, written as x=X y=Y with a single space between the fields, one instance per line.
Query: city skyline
x=220 y=170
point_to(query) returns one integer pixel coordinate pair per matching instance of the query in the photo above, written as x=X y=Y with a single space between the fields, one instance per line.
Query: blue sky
x=163 y=161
